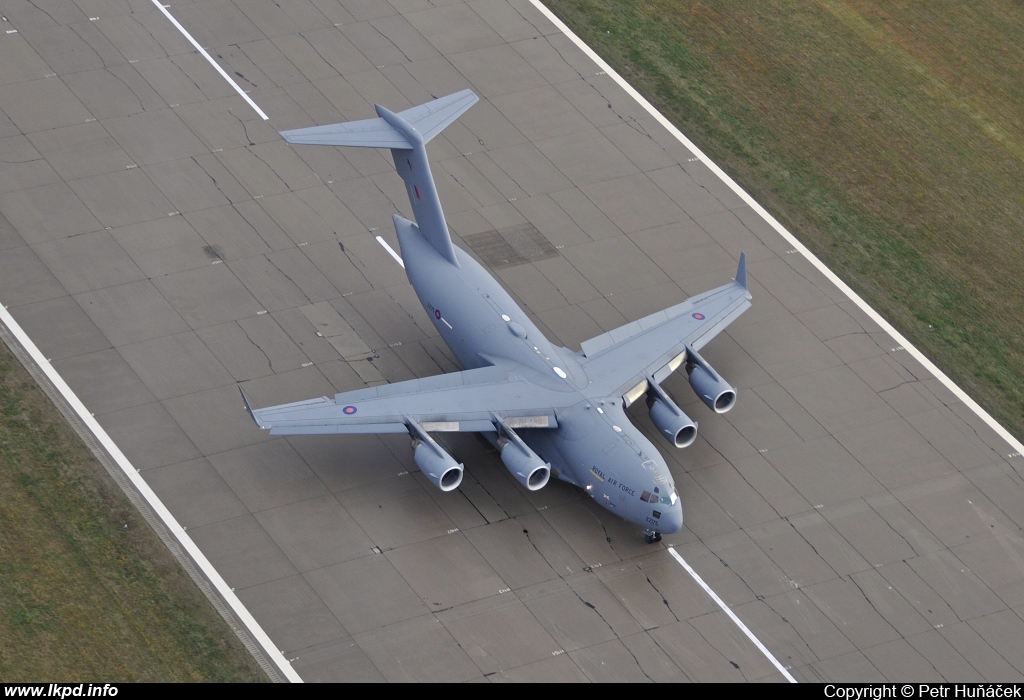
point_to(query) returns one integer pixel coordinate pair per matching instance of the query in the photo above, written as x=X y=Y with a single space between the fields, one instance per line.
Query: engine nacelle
x=714 y=391
x=526 y=465
x=438 y=466
x=670 y=420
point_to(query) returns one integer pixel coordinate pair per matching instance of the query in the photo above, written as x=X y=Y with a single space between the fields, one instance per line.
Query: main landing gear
x=652 y=536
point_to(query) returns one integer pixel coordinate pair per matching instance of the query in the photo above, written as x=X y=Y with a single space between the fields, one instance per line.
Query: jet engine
x=526 y=465
x=670 y=420
x=438 y=466
x=714 y=391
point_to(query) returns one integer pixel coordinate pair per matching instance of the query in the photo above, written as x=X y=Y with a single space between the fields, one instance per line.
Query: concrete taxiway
x=159 y=243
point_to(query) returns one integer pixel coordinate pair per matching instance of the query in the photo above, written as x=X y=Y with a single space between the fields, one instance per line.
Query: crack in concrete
x=245 y=130
x=889 y=525
x=663 y=598
x=605 y=621
x=102 y=62
x=288 y=277
x=155 y=41
x=130 y=88
x=33 y=4
x=813 y=548
x=252 y=342
x=400 y=49
x=257 y=157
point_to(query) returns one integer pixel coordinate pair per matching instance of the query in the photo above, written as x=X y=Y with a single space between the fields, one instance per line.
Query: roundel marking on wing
x=699 y=316
x=349 y=410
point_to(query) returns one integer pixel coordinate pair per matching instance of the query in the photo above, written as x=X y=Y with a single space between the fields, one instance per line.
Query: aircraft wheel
x=652 y=536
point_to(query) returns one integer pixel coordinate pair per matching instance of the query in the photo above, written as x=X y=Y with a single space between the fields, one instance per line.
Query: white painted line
x=159 y=509
x=209 y=58
x=728 y=611
x=391 y=250
x=854 y=297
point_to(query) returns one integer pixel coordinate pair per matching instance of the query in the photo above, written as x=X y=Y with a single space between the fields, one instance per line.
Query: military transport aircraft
x=547 y=409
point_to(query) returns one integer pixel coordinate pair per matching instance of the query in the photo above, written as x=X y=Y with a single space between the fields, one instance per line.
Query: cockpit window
x=656 y=497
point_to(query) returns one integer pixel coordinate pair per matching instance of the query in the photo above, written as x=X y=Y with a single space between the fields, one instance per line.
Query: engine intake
x=438 y=466
x=525 y=465
x=670 y=420
x=708 y=384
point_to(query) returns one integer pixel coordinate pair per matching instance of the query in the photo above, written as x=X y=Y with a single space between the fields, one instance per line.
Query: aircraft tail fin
x=406 y=134
x=427 y=119
x=741 y=271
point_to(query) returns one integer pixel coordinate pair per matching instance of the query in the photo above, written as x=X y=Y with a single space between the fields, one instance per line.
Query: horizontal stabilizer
x=431 y=118
x=368 y=133
x=427 y=119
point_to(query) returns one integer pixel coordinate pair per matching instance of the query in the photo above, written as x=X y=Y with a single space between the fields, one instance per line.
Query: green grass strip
x=81 y=597
x=887 y=136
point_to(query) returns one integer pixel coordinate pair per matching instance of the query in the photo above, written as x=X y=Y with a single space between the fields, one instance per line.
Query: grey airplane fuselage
x=595 y=446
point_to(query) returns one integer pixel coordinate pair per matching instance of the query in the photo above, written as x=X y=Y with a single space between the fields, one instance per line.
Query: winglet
x=248 y=408
x=741 y=271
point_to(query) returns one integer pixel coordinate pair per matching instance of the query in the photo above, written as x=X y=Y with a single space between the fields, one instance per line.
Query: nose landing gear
x=652 y=536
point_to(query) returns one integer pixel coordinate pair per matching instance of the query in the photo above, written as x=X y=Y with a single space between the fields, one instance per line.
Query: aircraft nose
x=672 y=520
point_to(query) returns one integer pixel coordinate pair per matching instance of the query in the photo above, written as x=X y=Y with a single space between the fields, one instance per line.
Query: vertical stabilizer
x=412 y=165
x=406 y=134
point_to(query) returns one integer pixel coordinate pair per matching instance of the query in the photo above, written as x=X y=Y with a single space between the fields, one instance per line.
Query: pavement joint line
x=206 y=55
x=732 y=616
x=171 y=533
x=781 y=230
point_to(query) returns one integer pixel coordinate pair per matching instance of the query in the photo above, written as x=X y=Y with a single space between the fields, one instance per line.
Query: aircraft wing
x=655 y=346
x=466 y=401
